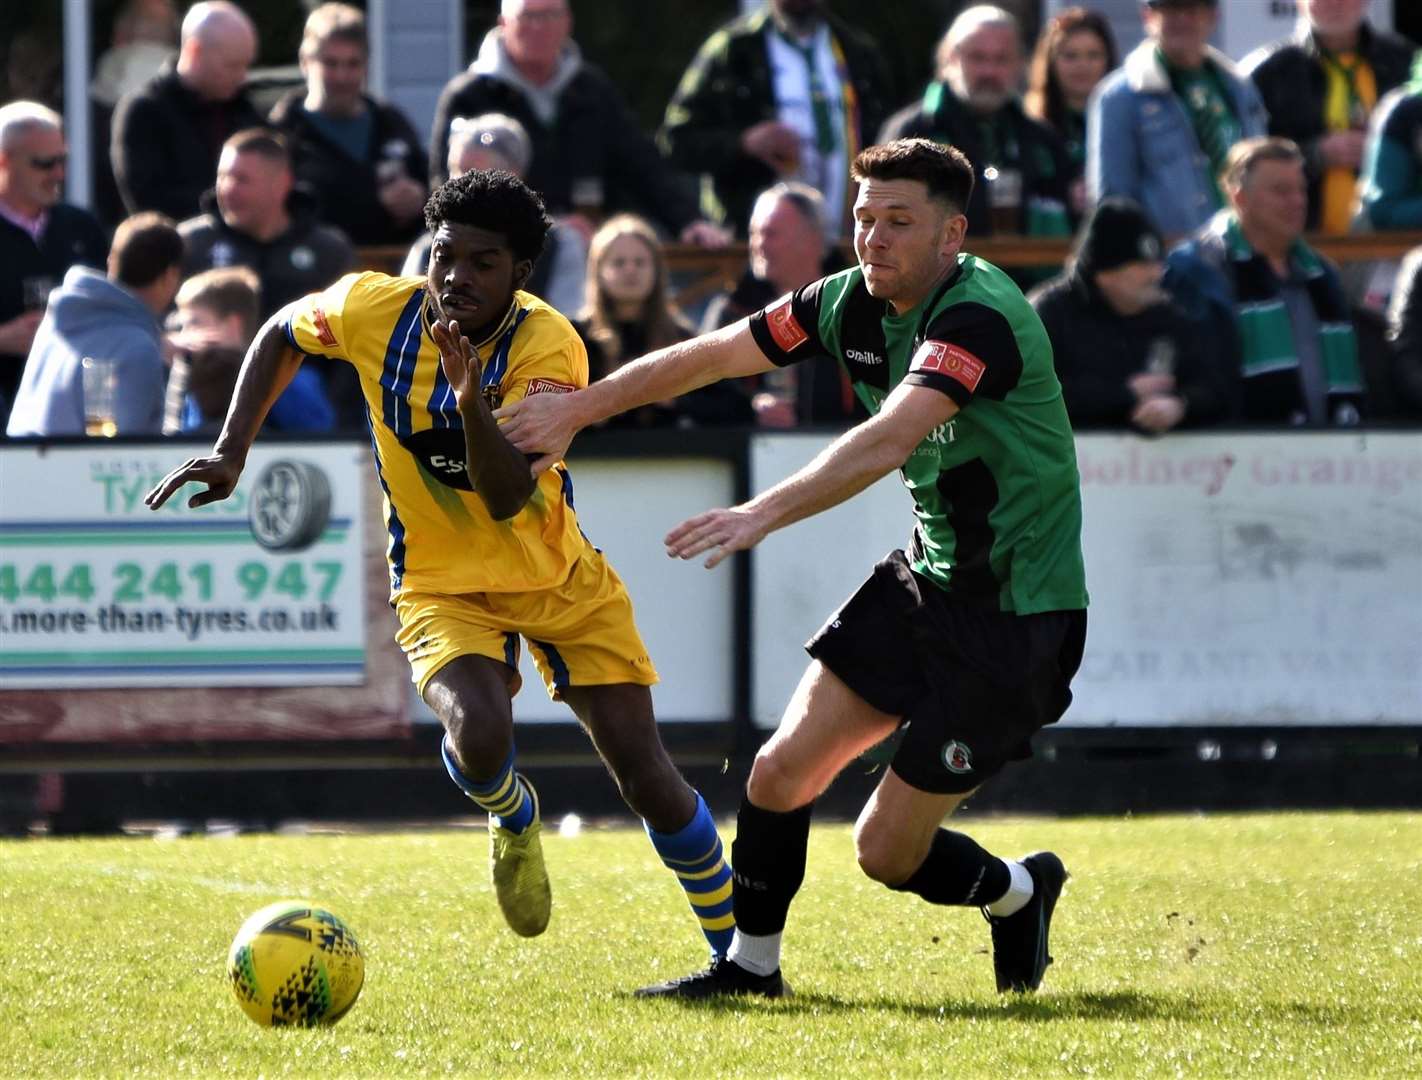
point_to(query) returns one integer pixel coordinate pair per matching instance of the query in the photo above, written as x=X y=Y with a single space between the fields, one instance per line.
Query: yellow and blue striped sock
x=694 y=854
x=504 y=796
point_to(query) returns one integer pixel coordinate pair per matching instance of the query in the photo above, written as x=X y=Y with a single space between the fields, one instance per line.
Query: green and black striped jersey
x=996 y=491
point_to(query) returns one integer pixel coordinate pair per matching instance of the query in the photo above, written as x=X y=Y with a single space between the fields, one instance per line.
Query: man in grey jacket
x=1161 y=126
x=113 y=317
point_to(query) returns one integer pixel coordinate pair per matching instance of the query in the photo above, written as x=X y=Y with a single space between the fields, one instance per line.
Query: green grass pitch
x=1281 y=945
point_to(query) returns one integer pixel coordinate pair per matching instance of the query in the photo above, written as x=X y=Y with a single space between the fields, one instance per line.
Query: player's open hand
x=717 y=531
x=540 y=424
x=219 y=473
x=459 y=359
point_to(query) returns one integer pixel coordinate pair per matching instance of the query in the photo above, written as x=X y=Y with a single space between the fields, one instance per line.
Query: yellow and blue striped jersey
x=441 y=537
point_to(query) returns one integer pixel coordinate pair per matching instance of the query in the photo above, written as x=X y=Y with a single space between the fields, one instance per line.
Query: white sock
x=1017 y=894
x=757 y=953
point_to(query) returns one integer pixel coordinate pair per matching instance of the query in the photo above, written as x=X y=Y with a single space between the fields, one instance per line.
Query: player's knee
x=481 y=748
x=654 y=791
x=774 y=785
x=881 y=856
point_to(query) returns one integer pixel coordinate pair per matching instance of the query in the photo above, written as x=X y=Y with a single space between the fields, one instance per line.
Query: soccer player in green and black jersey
x=970 y=640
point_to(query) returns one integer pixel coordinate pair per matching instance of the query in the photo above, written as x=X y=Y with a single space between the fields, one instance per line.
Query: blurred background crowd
x=1177 y=197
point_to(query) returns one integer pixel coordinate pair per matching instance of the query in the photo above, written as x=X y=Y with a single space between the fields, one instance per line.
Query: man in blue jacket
x=1161 y=126
x=113 y=317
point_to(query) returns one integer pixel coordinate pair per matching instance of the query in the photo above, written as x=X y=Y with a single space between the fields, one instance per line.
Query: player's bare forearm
x=675 y=370
x=271 y=364
x=840 y=471
x=545 y=424
x=499 y=473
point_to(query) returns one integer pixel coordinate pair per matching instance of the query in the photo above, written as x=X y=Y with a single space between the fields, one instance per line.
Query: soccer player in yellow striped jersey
x=482 y=552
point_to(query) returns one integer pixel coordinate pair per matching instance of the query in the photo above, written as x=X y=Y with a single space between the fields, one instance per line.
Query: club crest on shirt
x=958 y=364
x=493 y=396
x=957 y=758
x=323 y=327
x=785 y=329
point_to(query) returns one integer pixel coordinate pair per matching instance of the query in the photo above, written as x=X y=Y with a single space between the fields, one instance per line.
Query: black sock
x=768 y=865
x=958 y=871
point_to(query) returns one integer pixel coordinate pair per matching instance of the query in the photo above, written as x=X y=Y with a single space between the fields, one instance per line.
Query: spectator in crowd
x=34 y=67
x=589 y=156
x=787 y=92
x=218 y=314
x=1075 y=52
x=361 y=158
x=40 y=236
x=787 y=251
x=495 y=141
x=1320 y=86
x=1390 y=187
x=169 y=133
x=1126 y=355
x=1404 y=335
x=1276 y=304
x=1022 y=171
x=629 y=312
x=145 y=37
x=257 y=217
x=113 y=317
x=1161 y=127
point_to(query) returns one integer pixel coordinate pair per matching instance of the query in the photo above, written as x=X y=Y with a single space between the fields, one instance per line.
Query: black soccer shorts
x=972 y=684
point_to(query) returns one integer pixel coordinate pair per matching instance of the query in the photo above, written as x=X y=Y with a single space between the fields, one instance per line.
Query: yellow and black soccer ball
x=295 y=965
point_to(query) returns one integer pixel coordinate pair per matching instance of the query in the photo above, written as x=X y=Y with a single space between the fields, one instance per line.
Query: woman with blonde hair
x=628 y=311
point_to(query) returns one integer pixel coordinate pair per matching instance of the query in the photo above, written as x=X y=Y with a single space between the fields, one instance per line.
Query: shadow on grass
x=1050 y=1007
x=1116 y=1005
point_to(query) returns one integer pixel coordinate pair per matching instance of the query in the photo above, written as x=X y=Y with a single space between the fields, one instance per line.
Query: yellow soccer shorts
x=581 y=633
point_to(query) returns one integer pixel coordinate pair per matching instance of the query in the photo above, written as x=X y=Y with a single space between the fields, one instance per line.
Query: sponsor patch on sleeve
x=548 y=386
x=958 y=364
x=324 y=333
x=785 y=329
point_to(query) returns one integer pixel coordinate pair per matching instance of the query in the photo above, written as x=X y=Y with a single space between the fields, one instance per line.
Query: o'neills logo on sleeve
x=548 y=386
x=958 y=364
x=324 y=333
x=785 y=330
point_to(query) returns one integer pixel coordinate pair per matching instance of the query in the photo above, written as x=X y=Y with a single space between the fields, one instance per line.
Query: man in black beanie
x=1125 y=354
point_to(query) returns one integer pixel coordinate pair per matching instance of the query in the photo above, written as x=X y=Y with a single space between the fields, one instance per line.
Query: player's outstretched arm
x=498 y=473
x=840 y=471
x=546 y=423
x=270 y=364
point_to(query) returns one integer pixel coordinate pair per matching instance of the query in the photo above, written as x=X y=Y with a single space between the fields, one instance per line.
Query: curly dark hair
x=494 y=200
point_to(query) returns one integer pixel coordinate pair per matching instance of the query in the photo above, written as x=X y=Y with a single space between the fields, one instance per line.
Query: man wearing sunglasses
x=40 y=237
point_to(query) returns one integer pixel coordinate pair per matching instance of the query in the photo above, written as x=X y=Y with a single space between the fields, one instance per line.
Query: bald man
x=41 y=236
x=168 y=134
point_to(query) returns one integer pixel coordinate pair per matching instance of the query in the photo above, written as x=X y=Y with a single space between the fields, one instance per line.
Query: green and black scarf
x=1269 y=359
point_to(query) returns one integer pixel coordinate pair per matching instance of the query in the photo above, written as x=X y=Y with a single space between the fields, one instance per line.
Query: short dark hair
x=260 y=141
x=145 y=246
x=944 y=169
x=494 y=200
